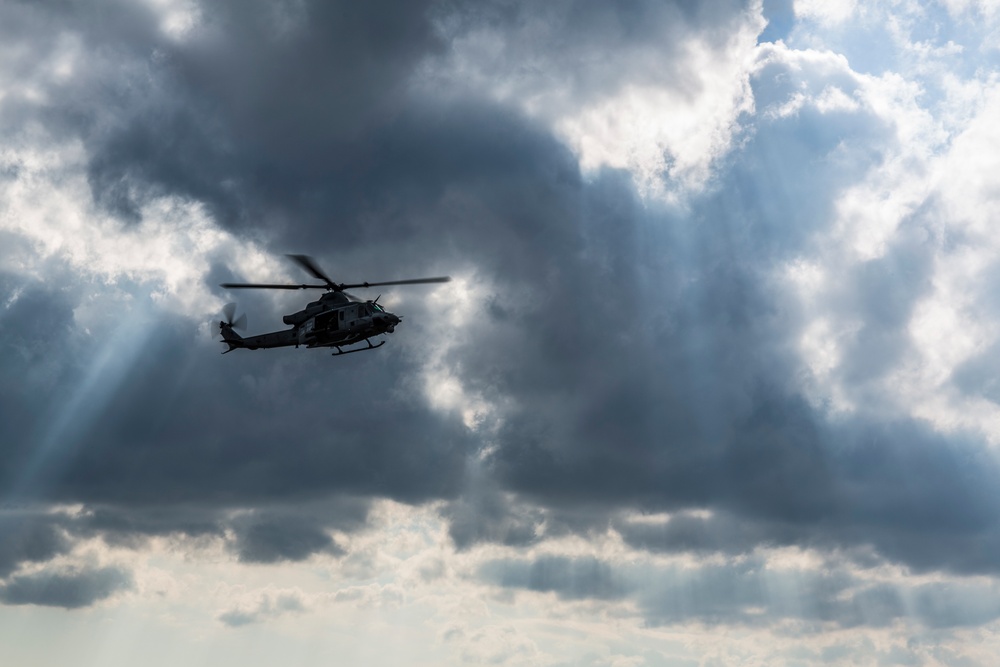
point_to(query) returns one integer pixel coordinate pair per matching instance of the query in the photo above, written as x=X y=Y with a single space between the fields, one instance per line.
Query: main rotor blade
x=267 y=286
x=309 y=264
x=412 y=281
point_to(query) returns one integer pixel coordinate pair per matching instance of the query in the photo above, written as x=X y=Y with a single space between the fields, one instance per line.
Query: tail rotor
x=229 y=310
x=226 y=326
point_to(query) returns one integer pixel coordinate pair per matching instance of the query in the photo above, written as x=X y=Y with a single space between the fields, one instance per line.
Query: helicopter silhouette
x=337 y=319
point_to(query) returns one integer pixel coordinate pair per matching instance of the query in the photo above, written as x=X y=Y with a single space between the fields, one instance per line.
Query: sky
x=715 y=381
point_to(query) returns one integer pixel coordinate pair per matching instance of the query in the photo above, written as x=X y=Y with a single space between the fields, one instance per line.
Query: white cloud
x=670 y=607
x=177 y=19
x=48 y=206
x=933 y=191
x=827 y=12
x=980 y=9
x=262 y=605
x=500 y=645
x=453 y=307
x=667 y=138
x=665 y=112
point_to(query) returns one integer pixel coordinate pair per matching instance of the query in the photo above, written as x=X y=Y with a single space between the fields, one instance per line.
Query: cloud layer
x=717 y=297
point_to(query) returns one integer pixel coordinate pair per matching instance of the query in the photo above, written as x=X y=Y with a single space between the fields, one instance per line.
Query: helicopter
x=337 y=319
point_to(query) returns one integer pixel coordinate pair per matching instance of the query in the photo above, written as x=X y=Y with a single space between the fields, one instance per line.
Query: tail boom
x=230 y=337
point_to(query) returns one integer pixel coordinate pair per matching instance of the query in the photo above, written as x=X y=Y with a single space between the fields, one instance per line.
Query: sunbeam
x=73 y=411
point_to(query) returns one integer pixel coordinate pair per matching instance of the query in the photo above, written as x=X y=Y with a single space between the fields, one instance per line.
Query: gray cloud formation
x=70 y=589
x=643 y=356
x=153 y=442
x=277 y=538
x=270 y=605
x=749 y=592
x=669 y=379
x=27 y=537
x=570 y=578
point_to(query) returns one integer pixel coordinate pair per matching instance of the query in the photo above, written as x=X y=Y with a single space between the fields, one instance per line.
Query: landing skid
x=340 y=352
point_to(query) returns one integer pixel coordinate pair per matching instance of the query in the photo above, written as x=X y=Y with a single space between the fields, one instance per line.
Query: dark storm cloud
x=570 y=578
x=267 y=432
x=253 y=536
x=491 y=519
x=912 y=495
x=164 y=443
x=642 y=357
x=269 y=535
x=34 y=322
x=580 y=51
x=269 y=96
x=272 y=542
x=667 y=378
x=289 y=115
x=70 y=589
x=294 y=534
x=29 y=537
x=749 y=592
x=121 y=525
x=686 y=532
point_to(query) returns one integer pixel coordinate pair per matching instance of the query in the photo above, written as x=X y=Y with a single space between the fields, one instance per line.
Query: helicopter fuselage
x=335 y=320
x=332 y=321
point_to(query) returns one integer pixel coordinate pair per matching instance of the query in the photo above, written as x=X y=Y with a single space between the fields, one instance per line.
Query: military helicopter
x=337 y=319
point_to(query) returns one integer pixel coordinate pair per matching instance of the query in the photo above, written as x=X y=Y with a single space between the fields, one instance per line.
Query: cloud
x=267 y=604
x=630 y=356
x=699 y=402
x=604 y=90
x=570 y=578
x=497 y=645
x=262 y=534
x=27 y=537
x=148 y=408
x=270 y=542
x=755 y=590
x=169 y=104
x=791 y=352
x=70 y=588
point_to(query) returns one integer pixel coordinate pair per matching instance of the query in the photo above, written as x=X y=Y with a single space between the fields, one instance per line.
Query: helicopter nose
x=389 y=321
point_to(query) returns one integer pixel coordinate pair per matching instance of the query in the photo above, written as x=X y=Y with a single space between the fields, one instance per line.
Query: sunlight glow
x=456 y=304
x=668 y=139
x=49 y=205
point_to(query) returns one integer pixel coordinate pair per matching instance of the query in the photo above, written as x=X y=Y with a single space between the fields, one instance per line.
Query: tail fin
x=230 y=337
